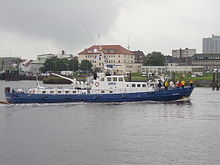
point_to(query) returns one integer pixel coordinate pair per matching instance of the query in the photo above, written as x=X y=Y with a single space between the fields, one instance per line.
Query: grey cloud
x=63 y=21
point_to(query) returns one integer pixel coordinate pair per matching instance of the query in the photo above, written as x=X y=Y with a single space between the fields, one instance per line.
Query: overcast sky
x=32 y=27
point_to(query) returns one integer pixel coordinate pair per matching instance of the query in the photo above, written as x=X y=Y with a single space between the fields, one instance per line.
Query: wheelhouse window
x=138 y=85
x=66 y=91
x=143 y=85
x=110 y=91
x=114 y=78
x=59 y=92
x=102 y=91
x=51 y=91
x=102 y=79
x=74 y=91
x=133 y=85
x=120 y=79
x=43 y=91
x=109 y=79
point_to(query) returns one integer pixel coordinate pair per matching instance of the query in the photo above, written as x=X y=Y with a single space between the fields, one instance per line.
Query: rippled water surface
x=111 y=134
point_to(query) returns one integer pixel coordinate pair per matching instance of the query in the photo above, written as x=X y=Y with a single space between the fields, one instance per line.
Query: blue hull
x=161 y=95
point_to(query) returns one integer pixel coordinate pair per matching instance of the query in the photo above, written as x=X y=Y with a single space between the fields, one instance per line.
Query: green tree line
x=154 y=59
x=56 y=65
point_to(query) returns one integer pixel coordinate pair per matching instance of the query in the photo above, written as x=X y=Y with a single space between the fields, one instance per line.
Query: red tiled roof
x=117 y=49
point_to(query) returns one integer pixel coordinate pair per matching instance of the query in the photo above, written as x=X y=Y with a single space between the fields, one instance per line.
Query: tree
x=85 y=65
x=73 y=65
x=55 y=64
x=154 y=59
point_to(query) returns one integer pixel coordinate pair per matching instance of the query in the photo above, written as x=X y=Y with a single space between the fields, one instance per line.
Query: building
x=63 y=54
x=44 y=57
x=139 y=56
x=173 y=68
x=183 y=53
x=211 y=45
x=178 y=61
x=9 y=63
x=115 y=56
x=209 y=61
x=24 y=65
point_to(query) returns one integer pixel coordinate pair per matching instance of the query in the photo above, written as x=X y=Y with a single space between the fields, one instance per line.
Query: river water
x=178 y=133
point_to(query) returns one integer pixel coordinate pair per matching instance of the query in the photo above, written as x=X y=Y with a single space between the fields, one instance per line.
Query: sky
x=32 y=27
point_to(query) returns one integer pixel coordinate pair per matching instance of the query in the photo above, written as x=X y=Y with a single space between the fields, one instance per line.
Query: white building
x=183 y=53
x=176 y=69
x=211 y=45
x=63 y=54
x=116 y=56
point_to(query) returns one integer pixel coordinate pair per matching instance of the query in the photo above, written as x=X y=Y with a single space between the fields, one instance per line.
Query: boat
x=100 y=87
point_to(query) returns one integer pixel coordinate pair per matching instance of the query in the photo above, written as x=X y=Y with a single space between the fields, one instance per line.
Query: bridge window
x=102 y=91
x=51 y=91
x=143 y=85
x=114 y=78
x=109 y=79
x=138 y=85
x=66 y=91
x=74 y=91
x=120 y=79
x=102 y=79
x=43 y=91
x=133 y=85
x=59 y=92
x=110 y=91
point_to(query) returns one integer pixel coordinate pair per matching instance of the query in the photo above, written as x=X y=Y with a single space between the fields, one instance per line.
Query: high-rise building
x=211 y=45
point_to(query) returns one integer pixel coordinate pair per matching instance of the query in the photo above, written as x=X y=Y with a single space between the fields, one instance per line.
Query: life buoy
x=96 y=84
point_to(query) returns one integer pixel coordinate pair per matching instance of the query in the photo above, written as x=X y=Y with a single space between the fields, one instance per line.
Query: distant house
x=24 y=65
x=115 y=56
x=63 y=54
x=139 y=56
x=9 y=63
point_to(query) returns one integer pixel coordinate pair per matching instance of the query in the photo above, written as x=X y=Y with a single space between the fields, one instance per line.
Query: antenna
x=100 y=47
x=85 y=27
x=128 y=44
